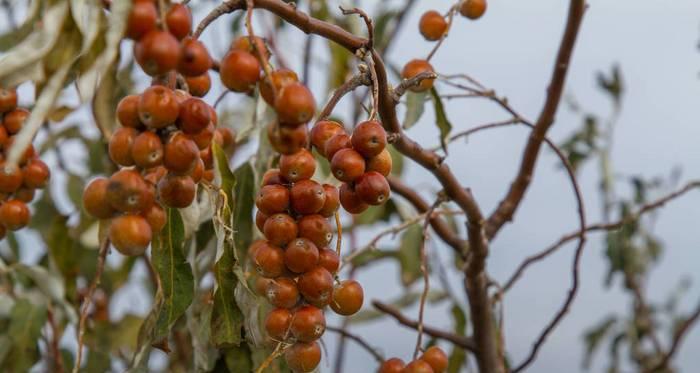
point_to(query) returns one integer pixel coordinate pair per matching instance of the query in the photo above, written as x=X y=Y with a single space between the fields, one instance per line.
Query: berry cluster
x=17 y=182
x=433 y=360
x=164 y=146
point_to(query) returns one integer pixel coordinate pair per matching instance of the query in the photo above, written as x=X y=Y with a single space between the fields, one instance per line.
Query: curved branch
x=357 y=339
x=348 y=86
x=678 y=336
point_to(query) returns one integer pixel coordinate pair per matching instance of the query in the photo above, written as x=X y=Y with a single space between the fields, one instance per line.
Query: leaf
x=397 y=160
x=13 y=37
x=238 y=359
x=415 y=105
x=198 y=320
x=104 y=102
x=612 y=84
x=244 y=193
x=175 y=274
x=594 y=337
x=409 y=254
x=458 y=356
x=24 y=331
x=375 y=214
x=441 y=120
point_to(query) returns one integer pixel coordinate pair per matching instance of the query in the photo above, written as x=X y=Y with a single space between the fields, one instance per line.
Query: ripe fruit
x=280 y=229
x=347 y=298
x=198 y=85
x=8 y=99
x=181 y=154
x=14 y=214
x=36 y=174
x=194 y=58
x=300 y=255
x=130 y=234
x=260 y=218
x=204 y=137
x=147 y=150
x=120 y=145
x=316 y=286
x=303 y=357
x=272 y=176
x=307 y=197
x=157 y=52
x=3 y=135
x=128 y=113
x=156 y=217
x=14 y=120
x=415 y=67
x=179 y=20
x=329 y=260
x=11 y=178
x=308 y=324
x=372 y=188
x=287 y=140
x=24 y=194
x=432 y=25
x=95 y=199
x=228 y=136
x=272 y=199
x=473 y=9
x=393 y=365
x=332 y=202
x=350 y=201
x=243 y=43
x=347 y=165
x=280 y=78
x=194 y=116
x=239 y=71
x=381 y=163
x=154 y=175
x=142 y=19
x=282 y=292
x=336 y=143
x=418 y=366
x=322 y=132
x=369 y=138
x=261 y=284
x=277 y=323
x=29 y=152
x=158 y=107
x=268 y=260
x=295 y=104
x=298 y=166
x=176 y=191
x=316 y=228
x=436 y=358
x=128 y=192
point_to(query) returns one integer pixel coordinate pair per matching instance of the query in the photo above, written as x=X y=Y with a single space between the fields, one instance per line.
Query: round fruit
x=128 y=192
x=204 y=137
x=316 y=286
x=128 y=111
x=147 y=150
x=295 y=104
x=194 y=58
x=272 y=177
x=381 y=163
x=322 y=132
x=194 y=116
x=228 y=135
x=14 y=120
x=300 y=255
x=308 y=324
x=243 y=43
x=473 y=9
x=280 y=78
x=347 y=298
x=3 y=135
x=307 y=197
x=156 y=217
x=260 y=219
x=25 y=194
x=11 y=178
x=436 y=358
x=142 y=19
x=206 y=156
x=329 y=260
x=316 y=228
x=303 y=357
x=154 y=175
x=239 y=71
x=14 y=214
x=8 y=99
x=180 y=155
x=369 y=138
x=277 y=324
x=261 y=284
x=418 y=366
x=347 y=165
x=176 y=191
x=336 y=143
x=372 y=188
x=280 y=229
x=332 y=202
x=95 y=199
x=350 y=201
x=273 y=199
x=287 y=140
x=157 y=52
x=432 y=25
x=393 y=365
x=199 y=85
x=282 y=292
x=120 y=145
x=158 y=107
x=36 y=174
x=29 y=152
x=298 y=166
x=269 y=260
x=130 y=234
x=415 y=67
x=179 y=20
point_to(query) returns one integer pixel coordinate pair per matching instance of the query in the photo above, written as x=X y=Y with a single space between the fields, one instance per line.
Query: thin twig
x=350 y=85
x=678 y=336
x=223 y=8
x=415 y=81
x=450 y=17
x=55 y=340
x=377 y=356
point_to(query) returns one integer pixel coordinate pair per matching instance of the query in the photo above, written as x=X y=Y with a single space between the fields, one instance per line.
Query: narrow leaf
x=415 y=106
x=441 y=120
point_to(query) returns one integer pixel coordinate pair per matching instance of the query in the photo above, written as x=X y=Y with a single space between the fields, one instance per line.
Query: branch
x=678 y=338
x=415 y=81
x=349 y=86
x=359 y=341
x=458 y=340
x=506 y=208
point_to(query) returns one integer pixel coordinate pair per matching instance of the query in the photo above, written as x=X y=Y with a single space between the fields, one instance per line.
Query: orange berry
x=336 y=143
x=347 y=165
x=280 y=78
x=277 y=323
x=95 y=199
x=14 y=214
x=130 y=234
x=127 y=191
x=158 y=107
x=14 y=120
x=282 y=292
x=147 y=150
x=272 y=199
x=436 y=358
x=194 y=58
x=393 y=365
x=316 y=228
x=316 y=285
x=329 y=260
x=372 y=188
x=418 y=366
x=120 y=145
x=432 y=25
x=307 y=197
x=273 y=176
x=176 y=191
x=199 y=85
x=381 y=163
x=300 y=255
x=157 y=52
x=280 y=229
x=142 y=19
x=243 y=43
x=473 y=9
x=11 y=178
x=239 y=71
x=8 y=99
x=298 y=166
x=156 y=217
x=347 y=298
x=415 y=67
x=332 y=202
x=287 y=140
x=268 y=260
x=303 y=357
x=128 y=112
x=322 y=132
x=180 y=154
x=295 y=104
x=194 y=116
x=308 y=324
x=369 y=138
x=350 y=201
x=179 y=20
x=36 y=174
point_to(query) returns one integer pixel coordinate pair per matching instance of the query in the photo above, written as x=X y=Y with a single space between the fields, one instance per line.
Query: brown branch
x=350 y=85
x=450 y=17
x=458 y=340
x=55 y=351
x=377 y=356
x=678 y=336
x=506 y=208
x=405 y=84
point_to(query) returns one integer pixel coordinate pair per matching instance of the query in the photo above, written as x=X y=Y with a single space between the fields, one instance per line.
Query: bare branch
x=350 y=85
x=678 y=336
x=415 y=81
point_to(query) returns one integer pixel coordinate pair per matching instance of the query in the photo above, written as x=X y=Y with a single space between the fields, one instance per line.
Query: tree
x=242 y=262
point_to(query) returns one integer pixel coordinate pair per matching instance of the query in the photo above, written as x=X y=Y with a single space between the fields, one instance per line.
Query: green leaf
x=458 y=356
x=244 y=194
x=409 y=254
x=198 y=321
x=375 y=214
x=441 y=120
x=397 y=160
x=415 y=105
x=24 y=330
x=175 y=274
x=238 y=359
x=595 y=336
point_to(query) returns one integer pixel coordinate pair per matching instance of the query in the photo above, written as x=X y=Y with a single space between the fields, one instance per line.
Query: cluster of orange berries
x=164 y=147
x=17 y=182
x=433 y=360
